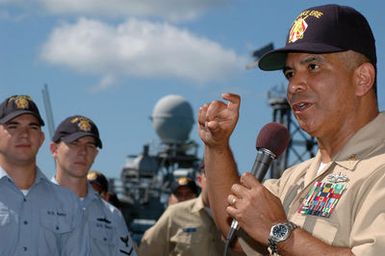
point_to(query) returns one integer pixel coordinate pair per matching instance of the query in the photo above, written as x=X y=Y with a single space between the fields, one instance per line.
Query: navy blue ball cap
x=184 y=182
x=99 y=179
x=76 y=127
x=17 y=105
x=324 y=29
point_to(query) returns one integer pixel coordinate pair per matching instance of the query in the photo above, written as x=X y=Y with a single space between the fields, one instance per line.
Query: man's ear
x=53 y=148
x=198 y=180
x=364 y=77
x=42 y=138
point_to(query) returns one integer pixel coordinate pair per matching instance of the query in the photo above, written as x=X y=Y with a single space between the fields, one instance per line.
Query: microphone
x=272 y=141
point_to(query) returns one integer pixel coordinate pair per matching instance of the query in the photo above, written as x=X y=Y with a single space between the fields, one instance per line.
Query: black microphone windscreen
x=274 y=137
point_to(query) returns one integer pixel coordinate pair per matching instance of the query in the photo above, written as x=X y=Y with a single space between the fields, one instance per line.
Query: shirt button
x=25 y=222
x=25 y=248
x=105 y=239
x=25 y=199
x=57 y=228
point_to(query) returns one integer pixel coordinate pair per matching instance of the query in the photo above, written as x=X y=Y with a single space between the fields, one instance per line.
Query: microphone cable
x=230 y=235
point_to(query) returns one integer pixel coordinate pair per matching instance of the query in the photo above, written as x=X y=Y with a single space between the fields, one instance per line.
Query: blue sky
x=113 y=60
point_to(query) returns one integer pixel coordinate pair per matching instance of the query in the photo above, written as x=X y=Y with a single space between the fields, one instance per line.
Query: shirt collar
x=365 y=142
x=3 y=174
x=39 y=176
x=91 y=193
x=198 y=204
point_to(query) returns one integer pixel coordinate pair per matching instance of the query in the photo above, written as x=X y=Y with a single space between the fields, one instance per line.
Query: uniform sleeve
x=276 y=186
x=368 y=230
x=125 y=243
x=249 y=246
x=155 y=241
x=272 y=185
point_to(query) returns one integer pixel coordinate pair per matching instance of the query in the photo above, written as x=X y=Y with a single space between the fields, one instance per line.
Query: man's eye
x=313 y=66
x=91 y=146
x=288 y=74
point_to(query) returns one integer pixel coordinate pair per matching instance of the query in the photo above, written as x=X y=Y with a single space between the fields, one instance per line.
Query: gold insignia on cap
x=183 y=181
x=84 y=124
x=299 y=26
x=92 y=176
x=21 y=102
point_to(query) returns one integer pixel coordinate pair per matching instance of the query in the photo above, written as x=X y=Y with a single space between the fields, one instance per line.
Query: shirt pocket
x=56 y=221
x=323 y=229
x=187 y=239
x=56 y=227
x=103 y=237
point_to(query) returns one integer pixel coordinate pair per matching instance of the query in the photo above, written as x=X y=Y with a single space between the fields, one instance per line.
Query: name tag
x=190 y=230
x=322 y=198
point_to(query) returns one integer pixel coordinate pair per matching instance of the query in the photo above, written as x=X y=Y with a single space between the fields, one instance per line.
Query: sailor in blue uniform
x=75 y=146
x=37 y=217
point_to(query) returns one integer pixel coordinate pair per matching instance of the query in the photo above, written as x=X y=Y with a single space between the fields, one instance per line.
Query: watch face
x=280 y=231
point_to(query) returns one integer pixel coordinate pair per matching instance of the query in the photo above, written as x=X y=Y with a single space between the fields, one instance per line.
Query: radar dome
x=172 y=119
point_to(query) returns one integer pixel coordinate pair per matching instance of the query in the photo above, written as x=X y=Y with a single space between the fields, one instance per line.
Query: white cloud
x=141 y=49
x=170 y=9
x=105 y=82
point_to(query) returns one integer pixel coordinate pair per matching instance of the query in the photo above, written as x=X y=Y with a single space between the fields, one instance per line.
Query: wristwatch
x=279 y=233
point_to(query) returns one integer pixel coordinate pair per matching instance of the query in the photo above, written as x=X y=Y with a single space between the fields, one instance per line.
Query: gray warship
x=144 y=184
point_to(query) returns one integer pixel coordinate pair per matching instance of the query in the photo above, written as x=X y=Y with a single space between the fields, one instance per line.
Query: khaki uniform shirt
x=184 y=229
x=357 y=219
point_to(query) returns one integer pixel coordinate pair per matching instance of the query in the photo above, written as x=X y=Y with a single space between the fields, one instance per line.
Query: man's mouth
x=301 y=106
x=23 y=145
x=80 y=163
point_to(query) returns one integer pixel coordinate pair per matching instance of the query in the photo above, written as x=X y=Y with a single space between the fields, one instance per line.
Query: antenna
x=257 y=55
x=48 y=110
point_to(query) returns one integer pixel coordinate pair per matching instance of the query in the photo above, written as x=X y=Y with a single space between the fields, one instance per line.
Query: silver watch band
x=272 y=241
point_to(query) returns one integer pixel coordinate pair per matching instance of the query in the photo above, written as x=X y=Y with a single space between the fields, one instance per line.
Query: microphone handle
x=262 y=163
x=260 y=167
